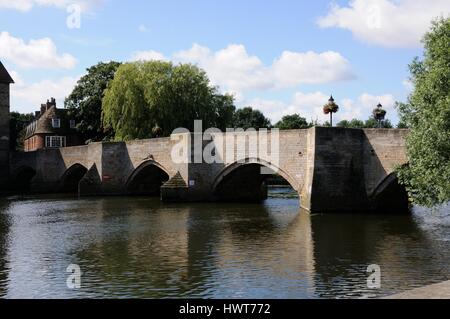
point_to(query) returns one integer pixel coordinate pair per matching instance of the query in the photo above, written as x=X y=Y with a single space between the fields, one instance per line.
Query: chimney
x=51 y=102
x=43 y=108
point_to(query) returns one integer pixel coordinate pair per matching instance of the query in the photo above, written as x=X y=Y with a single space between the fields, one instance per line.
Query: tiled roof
x=43 y=125
x=4 y=75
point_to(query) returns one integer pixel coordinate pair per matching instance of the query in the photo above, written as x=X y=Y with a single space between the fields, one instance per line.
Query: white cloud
x=364 y=105
x=310 y=106
x=40 y=53
x=143 y=28
x=294 y=68
x=408 y=85
x=389 y=23
x=235 y=70
x=147 y=56
x=27 y=5
x=231 y=68
x=27 y=98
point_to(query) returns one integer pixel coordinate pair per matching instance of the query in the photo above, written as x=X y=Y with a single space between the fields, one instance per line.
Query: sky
x=278 y=56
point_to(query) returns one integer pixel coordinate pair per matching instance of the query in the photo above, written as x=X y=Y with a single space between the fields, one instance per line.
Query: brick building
x=53 y=128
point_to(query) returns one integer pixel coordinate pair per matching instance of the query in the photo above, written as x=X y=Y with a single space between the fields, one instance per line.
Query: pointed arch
x=243 y=180
x=230 y=168
x=71 y=178
x=147 y=179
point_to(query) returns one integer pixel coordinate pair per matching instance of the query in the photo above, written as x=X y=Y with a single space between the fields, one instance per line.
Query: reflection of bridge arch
x=244 y=181
x=72 y=177
x=22 y=178
x=147 y=179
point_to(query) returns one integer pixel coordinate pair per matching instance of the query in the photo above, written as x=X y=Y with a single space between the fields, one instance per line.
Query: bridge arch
x=243 y=181
x=390 y=196
x=22 y=178
x=72 y=177
x=147 y=179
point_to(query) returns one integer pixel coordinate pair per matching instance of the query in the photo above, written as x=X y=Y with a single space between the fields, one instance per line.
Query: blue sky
x=281 y=57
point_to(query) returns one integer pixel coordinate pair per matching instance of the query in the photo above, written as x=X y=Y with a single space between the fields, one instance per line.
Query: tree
x=247 y=117
x=146 y=98
x=402 y=107
x=85 y=101
x=292 y=122
x=355 y=123
x=427 y=113
x=17 y=124
x=373 y=123
x=344 y=123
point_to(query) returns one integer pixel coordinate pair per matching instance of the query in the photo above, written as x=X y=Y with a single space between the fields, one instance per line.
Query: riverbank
x=437 y=291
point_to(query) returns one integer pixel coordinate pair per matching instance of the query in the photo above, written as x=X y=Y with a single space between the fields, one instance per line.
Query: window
x=56 y=123
x=55 y=141
x=72 y=124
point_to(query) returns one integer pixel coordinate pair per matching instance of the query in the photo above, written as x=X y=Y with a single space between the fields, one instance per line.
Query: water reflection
x=140 y=248
x=4 y=230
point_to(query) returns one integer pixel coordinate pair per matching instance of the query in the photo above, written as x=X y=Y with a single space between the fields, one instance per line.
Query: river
x=141 y=248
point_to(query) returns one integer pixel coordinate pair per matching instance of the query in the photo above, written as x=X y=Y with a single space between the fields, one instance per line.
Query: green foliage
x=351 y=124
x=373 y=123
x=85 y=101
x=247 y=117
x=17 y=124
x=427 y=113
x=146 y=97
x=292 y=122
x=370 y=123
x=402 y=125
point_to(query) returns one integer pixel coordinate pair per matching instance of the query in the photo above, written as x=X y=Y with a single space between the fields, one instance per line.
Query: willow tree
x=427 y=113
x=151 y=99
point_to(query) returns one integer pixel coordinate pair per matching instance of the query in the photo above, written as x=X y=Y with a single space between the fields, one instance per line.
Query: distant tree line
x=123 y=101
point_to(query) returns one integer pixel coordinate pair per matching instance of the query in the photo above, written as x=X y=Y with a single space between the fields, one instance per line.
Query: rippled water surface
x=140 y=248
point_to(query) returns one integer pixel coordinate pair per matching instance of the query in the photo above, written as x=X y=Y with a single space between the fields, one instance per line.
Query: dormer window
x=56 y=123
x=72 y=124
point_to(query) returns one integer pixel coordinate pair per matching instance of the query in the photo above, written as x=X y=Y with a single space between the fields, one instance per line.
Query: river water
x=141 y=248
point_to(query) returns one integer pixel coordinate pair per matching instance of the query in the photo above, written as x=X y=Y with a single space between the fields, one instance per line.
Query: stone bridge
x=332 y=169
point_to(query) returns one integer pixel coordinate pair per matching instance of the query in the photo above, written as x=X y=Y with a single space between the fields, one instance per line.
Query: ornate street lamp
x=379 y=114
x=330 y=108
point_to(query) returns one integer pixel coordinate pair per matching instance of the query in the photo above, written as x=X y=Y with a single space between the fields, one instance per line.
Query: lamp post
x=330 y=108
x=379 y=114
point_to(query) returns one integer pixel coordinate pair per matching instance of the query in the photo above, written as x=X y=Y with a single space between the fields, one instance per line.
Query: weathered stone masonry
x=332 y=169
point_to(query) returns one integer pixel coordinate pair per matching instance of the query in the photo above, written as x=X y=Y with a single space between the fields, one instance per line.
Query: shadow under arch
x=147 y=179
x=390 y=196
x=22 y=178
x=72 y=177
x=244 y=181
